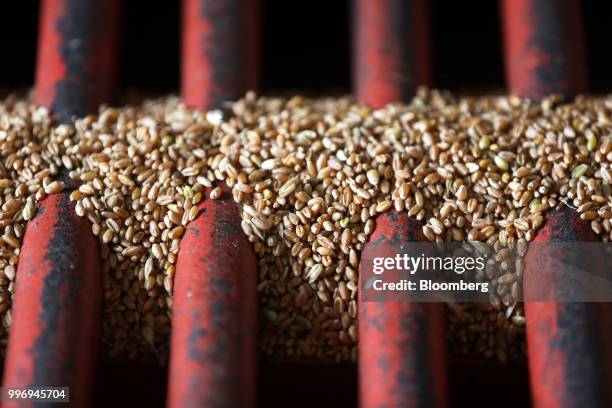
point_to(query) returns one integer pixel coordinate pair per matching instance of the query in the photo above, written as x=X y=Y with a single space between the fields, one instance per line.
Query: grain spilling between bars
x=309 y=177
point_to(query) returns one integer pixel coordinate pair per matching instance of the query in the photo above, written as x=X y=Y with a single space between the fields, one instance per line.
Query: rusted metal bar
x=56 y=315
x=569 y=344
x=568 y=363
x=213 y=357
x=213 y=348
x=402 y=353
x=391 y=49
x=220 y=51
x=77 y=55
x=401 y=344
x=544 y=47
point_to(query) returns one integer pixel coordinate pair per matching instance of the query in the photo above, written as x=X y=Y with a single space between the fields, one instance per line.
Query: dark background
x=306 y=45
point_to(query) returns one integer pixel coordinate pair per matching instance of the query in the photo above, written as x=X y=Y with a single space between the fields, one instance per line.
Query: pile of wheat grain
x=310 y=176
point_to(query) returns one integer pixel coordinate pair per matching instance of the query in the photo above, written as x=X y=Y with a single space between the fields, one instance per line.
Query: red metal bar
x=56 y=314
x=569 y=358
x=214 y=314
x=391 y=49
x=77 y=55
x=401 y=344
x=544 y=47
x=54 y=334
x=568 y=343
x=402 y=352
x=220 y=51
x=213 y=346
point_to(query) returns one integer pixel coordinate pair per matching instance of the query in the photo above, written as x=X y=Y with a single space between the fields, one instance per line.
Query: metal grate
x=54 y=332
